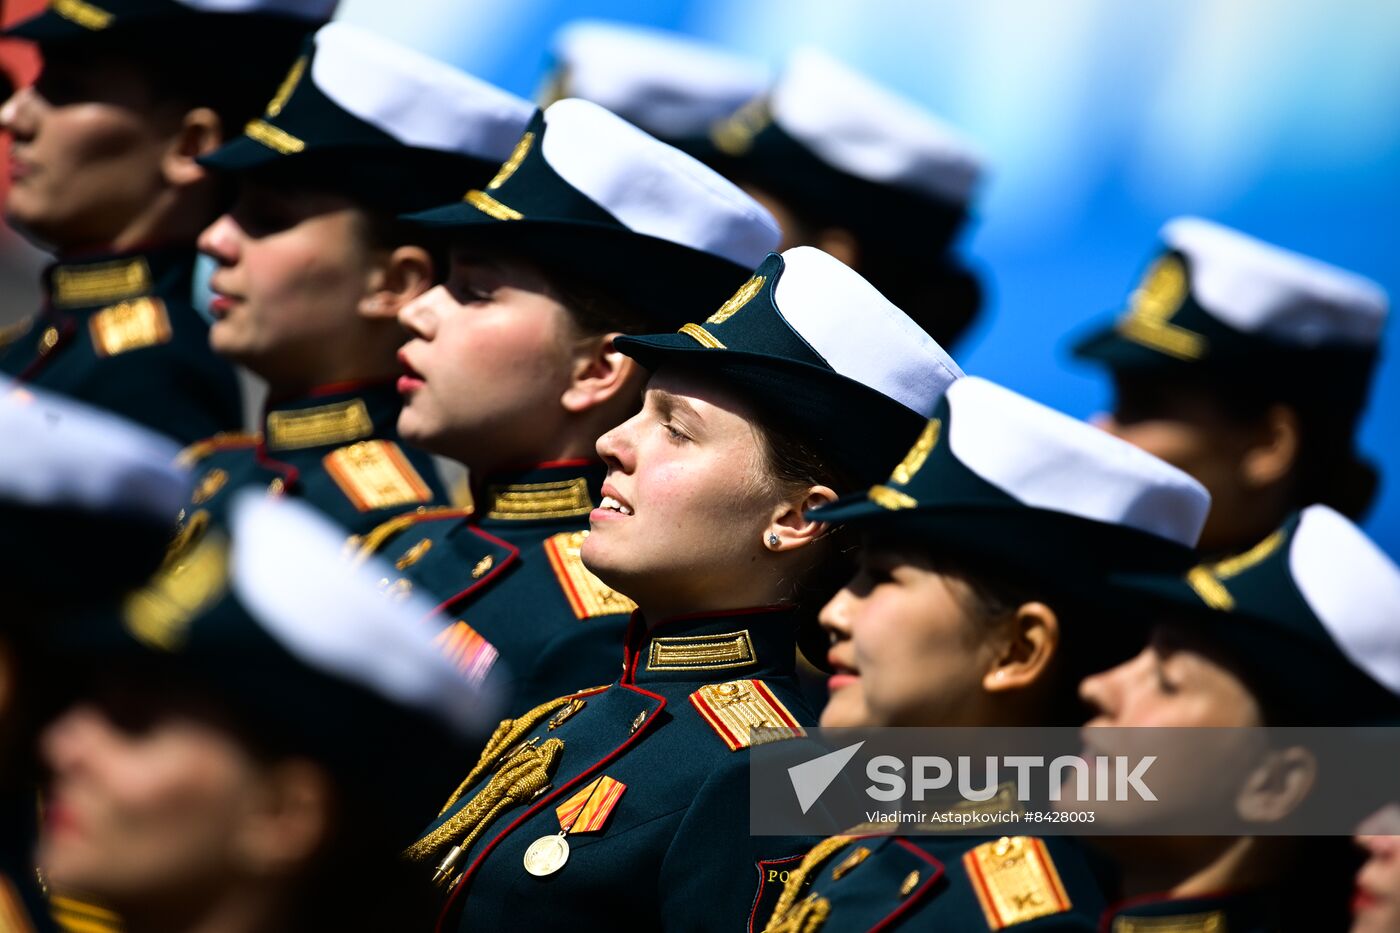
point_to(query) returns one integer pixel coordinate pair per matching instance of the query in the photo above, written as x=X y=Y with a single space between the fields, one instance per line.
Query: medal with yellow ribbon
x=584 y=812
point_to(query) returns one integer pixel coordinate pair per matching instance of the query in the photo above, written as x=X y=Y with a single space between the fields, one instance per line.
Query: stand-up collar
x=562 y=490
x=95 y=280
x=710 y=647
x=331 y=415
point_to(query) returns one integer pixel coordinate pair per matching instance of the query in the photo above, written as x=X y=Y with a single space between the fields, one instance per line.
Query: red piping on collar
x=544 y=802
x=917 y=893
x=638 y=632
x=510 y=558
x=526 y=466
x=290 y=474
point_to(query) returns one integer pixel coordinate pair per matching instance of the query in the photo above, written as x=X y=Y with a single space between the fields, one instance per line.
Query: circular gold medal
x=546 y=855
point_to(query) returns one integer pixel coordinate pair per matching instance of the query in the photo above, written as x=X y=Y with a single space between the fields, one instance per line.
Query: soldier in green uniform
x=312 y=268
x=1315 y=599
x=589 y=230
x=1206 y=366
x=628 y=803
x=210 y=768
x=866 y=175
x=964 y=613
x=74 y=479
x=104 y=173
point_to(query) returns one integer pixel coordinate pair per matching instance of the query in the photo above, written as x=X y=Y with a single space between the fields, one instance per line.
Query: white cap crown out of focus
x=288 y=569
x=654 y=188
x=866 y=130
x=311 y=10
x=1048 y=460
x=1258 y=288
x=413 y=97
x=62 y=454
x=669 y=85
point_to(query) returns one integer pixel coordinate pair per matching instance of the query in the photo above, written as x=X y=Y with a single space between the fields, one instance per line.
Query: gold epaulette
x=587 y=595
x=380 y=534
x=1015 y=880
x=130 y=325
x=735 y=707
x=376 y=475
x=223 y=441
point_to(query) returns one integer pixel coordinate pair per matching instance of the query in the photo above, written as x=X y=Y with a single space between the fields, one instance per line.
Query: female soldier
x=1315 y=600
x=750 y=419
x=312 y=269
x=235 y=758
x=104 y=173
x=74 y=481
x=954 y=621
x=590 y=229
x=1248 y=367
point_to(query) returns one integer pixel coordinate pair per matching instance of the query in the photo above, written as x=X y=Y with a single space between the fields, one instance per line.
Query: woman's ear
x=1278 y=785
x=405 y=274
x=1274 y=453
x=1032 y=638
x=200 y=132
x=287 y=818
x=791 y=526
x=599 y=373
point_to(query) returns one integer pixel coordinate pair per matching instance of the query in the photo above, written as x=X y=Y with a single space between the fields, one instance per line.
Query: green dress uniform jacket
x=943 y=882
x=119 y=332
x=649 y=779
x=1227 y=912
x=509 y=573
x=337 y=447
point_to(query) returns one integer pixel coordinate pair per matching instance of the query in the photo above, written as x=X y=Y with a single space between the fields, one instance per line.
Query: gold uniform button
x=48 y=340
x=276 y=487
x=911 y=881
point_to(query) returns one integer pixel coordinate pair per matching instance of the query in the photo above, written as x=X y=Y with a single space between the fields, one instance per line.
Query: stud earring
x=772 y=540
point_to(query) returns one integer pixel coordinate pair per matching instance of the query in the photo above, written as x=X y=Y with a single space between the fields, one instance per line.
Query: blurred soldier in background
x=242 y=749
x=81 y=491
x=313 y=268
x=670 y=85
x=104 y=173
x=1248 y=367
x=865 y=175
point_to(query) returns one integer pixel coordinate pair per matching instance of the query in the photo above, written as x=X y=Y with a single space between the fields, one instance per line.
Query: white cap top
x=310 y=10
x=289 y=572
x=416 y=99
x=652 y=188
x=1049 y=460
x=859 y=332
x=1261 y=289
x=665 y=83
x=863 y=129
x=62 y=454
x=1352 y=587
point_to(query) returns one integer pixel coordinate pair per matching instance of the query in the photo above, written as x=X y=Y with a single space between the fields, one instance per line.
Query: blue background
x=1099 y=119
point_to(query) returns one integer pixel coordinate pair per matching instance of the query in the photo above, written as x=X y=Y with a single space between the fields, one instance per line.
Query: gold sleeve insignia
x=1015 y=881
x=733 y=708
x=376 y=475
x=587 y=595
x=130 y=325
